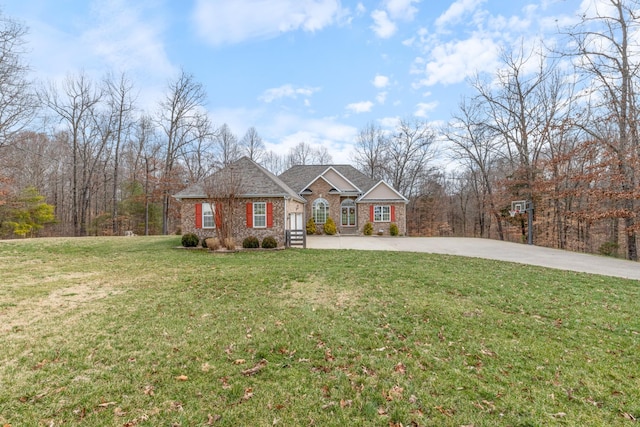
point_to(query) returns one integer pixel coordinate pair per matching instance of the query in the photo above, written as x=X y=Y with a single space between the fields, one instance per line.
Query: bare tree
x=120 y=101
x=475 y=145
x=411 y=148
x=274 y=162
x=146 y=165
x=605 y=46
x=222 y=189
x=252 y=145
x=76 y=107
x=306 y=154
x=183 y=120
x=301 y=154
x=17 y=100
x=370 y=151
x=322 y=156
x=519 y=109
x=227 y=145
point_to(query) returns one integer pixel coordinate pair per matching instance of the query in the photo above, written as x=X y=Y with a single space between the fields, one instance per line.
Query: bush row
x=252 y=242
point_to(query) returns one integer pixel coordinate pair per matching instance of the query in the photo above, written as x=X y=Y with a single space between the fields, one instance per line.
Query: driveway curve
x=485 y=248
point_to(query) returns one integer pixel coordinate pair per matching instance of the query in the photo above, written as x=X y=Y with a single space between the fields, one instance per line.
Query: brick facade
x=364 y=216
x=320 y=190
x=239 y=220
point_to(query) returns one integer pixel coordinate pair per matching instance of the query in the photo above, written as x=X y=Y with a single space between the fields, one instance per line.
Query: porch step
x=296 y=238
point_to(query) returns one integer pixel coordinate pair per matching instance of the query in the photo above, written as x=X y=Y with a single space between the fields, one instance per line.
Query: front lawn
x=132 y=332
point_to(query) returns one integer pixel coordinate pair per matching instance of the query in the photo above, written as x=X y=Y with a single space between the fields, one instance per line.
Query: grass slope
x=126 y=332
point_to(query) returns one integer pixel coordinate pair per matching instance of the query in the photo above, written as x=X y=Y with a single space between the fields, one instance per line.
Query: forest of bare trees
x=556 y=125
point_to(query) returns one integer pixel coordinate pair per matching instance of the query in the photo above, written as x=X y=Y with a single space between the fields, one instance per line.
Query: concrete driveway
x=485 y=248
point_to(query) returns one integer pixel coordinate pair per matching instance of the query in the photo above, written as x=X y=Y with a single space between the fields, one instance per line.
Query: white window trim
x=255 y=215
x=382 y=209
x=208 y=211
x=314 y=210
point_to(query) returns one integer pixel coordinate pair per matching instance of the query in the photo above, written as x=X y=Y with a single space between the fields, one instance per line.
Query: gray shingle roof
x=256 y=181
x=299 y=176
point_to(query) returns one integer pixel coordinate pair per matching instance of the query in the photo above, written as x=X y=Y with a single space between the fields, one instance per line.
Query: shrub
x=330 y=227
x=250 y=242
x=229 y=243
x=190 y=240
x=269 y=242
x=393 y=229
x=608 y=249
x=212 y=243
x=367 y=230
x=311 y=226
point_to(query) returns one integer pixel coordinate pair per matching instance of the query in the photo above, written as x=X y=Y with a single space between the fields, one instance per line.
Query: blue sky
x=297 y=70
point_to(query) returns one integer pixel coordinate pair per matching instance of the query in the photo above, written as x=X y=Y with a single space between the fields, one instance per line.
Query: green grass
x=132 y=332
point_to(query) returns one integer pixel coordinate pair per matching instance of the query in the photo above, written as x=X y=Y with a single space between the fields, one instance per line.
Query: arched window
x=320 y=211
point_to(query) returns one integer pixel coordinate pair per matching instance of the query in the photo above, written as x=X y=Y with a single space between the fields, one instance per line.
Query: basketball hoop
x=514 y=213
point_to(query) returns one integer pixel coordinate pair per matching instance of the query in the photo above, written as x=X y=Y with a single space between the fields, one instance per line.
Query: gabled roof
x=256 y=181
x=299 y=177
x=380 y=192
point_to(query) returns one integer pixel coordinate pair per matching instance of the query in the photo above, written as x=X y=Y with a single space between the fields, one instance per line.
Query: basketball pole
x=530 y=222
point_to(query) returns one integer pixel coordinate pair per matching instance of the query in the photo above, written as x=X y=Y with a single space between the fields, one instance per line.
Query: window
x=381 y=213
x=207 y=216
x=259 y=215
x=320 y=211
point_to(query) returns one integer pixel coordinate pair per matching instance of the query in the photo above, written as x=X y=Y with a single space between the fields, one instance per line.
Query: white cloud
x=424 y=108
x=126 y=40
x=287 y=131
x=115 y=35
x=287 y=91
x=360 y=107
x=381 y=97
x=228 y=22
x=457 y=11
x=380 y=81
x=382 y=25
x=454 y=61
x=401 y=9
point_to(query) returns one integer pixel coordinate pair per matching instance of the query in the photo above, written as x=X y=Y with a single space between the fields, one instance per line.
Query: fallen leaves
x=395 y=393
x=257 y=368
x=182 y=378
x=628 y=416
x=248 y=394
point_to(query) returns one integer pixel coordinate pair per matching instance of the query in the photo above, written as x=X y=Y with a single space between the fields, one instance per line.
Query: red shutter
x=218 y=215
x=269 y=215
x=393 y=214
x=371 y=217
x=249 y=215
x=198 y=215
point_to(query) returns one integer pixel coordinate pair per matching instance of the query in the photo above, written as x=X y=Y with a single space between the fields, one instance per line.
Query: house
x=348 y=196
x=251 y=201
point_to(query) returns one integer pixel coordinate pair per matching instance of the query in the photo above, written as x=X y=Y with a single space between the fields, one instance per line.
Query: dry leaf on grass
x=395 y=393
x=628 y=416
x=213 y=419
x=248 y=394
x=252 y=371
x=106 y=404
x=182 y=378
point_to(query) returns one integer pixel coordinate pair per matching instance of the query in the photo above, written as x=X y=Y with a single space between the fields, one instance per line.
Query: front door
x=348 y=215
x=296 y=221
